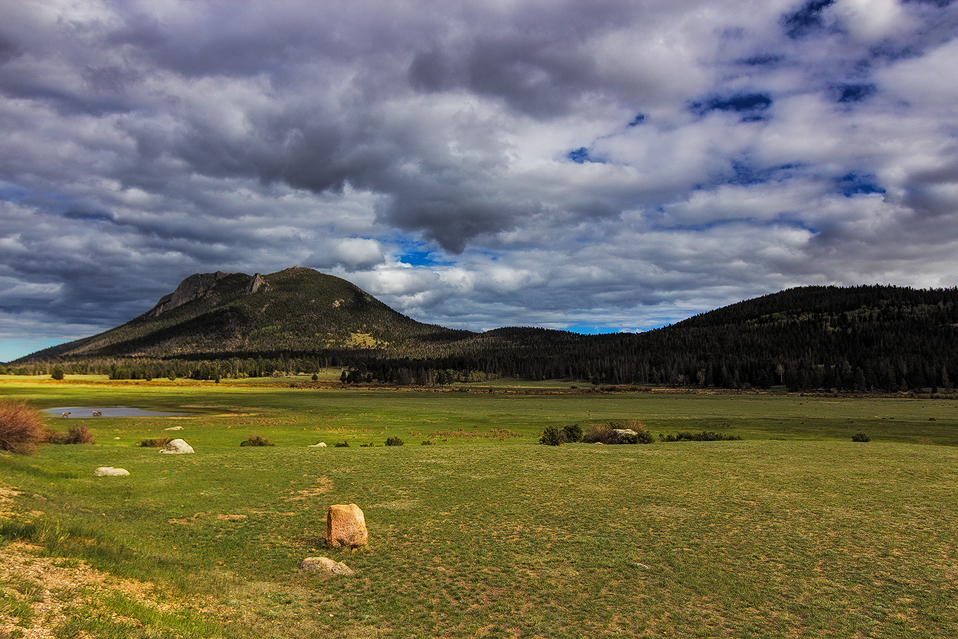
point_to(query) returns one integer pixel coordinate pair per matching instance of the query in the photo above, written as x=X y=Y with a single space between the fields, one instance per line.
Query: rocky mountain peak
x=192 y=288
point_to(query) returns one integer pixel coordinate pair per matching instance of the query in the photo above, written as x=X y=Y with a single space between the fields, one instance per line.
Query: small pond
x=111 y=411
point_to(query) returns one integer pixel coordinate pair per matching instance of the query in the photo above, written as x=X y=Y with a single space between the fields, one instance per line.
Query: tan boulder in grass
x=324 y=564
x=346 y=526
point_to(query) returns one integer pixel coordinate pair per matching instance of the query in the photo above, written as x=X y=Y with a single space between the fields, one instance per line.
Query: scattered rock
x=346 y=526
x=324 y=564
x=177 y=447
x=110 y=471
x=625 y=432
x=319 y=445
x=174 y=428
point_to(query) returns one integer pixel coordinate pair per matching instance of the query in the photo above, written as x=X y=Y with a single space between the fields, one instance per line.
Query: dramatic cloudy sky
x=596 y=165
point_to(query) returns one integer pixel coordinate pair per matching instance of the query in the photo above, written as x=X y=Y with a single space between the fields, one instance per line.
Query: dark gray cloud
x=616 y=164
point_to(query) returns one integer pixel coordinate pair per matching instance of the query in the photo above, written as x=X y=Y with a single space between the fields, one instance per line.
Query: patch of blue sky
x=763 y=60
x=585 y=329
x=579 y=156
x=419 y=254
x=13 y=193
x=95 y=216
x=746 y=174
x=854 y=184
x=752 y=106
x=847 y=93
x=15 y=349
x=806 y=19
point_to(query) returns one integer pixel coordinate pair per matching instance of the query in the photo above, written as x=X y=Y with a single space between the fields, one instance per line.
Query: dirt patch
x=58 y=585
x=323 y=485
x=231 y=517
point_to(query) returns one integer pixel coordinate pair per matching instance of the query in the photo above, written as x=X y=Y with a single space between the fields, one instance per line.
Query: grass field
x=793 y=531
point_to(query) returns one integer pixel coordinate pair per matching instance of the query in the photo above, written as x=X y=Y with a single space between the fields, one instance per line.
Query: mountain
x=819 y=337
x=221 y=314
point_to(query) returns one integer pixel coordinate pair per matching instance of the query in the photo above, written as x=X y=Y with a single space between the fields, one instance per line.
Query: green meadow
x=794 y=530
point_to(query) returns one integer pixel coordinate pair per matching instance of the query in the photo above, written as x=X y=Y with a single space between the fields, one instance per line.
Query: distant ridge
x=863 y=338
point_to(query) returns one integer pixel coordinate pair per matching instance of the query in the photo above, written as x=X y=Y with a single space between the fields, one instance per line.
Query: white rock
x=177 y=447
x=319 y=445
x=110 y=471
x=174 y=428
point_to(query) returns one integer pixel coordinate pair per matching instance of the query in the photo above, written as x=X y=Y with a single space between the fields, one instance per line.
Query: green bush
x=256 y=440
x=572 y=433
x=552 y=436
x=21 y=428
x=861 y=437
x=394 y=441
x=342 y=444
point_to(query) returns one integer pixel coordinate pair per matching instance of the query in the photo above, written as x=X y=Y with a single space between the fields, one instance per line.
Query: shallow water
x=112 y=411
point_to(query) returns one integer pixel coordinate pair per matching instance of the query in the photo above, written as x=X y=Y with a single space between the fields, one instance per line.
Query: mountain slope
x=859 y=338
x=219 y=314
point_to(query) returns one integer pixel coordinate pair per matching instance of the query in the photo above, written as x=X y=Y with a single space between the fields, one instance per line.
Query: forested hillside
x=866 y=338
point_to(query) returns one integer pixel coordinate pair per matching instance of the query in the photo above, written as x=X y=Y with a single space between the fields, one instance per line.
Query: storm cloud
x=596 y=165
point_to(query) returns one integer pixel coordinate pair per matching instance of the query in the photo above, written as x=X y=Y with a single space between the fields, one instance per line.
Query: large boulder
x=346 y=526
x=325 y=565
x=177 y=447
x=110 y=471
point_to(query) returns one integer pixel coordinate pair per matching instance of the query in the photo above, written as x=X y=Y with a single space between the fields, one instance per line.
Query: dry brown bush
x=78 y=435
x=598 y=434
x=22 y=429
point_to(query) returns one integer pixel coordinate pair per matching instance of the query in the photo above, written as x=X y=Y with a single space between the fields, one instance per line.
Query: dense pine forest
x=859 y=339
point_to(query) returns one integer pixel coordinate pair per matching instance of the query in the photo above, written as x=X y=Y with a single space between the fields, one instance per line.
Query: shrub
x=427 y=442
x=77 y=435
x=606 y=433
x=861 y=437
x=158 y=442
x=57 y=373
x=256 y=440
x=21 y=428
x=552 y=436
x=642 y=434
x=598 y=434
x=394 y=441
x=704 y=436
x=343 y=444
x=572 y=433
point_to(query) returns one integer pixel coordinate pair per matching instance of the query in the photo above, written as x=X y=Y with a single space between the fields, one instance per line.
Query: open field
x=794 y=531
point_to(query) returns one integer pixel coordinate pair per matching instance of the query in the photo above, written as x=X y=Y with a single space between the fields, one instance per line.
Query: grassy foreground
x=795 y=531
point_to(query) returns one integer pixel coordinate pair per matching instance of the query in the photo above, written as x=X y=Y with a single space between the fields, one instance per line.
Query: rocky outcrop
x=258 y=282
x=177 y=447
x=192 y=288
x=346 y=526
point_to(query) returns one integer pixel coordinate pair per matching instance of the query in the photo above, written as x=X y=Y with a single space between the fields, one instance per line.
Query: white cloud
x=147 y=141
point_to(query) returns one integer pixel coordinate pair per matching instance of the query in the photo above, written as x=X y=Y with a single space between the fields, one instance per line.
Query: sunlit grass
x=795 y=530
